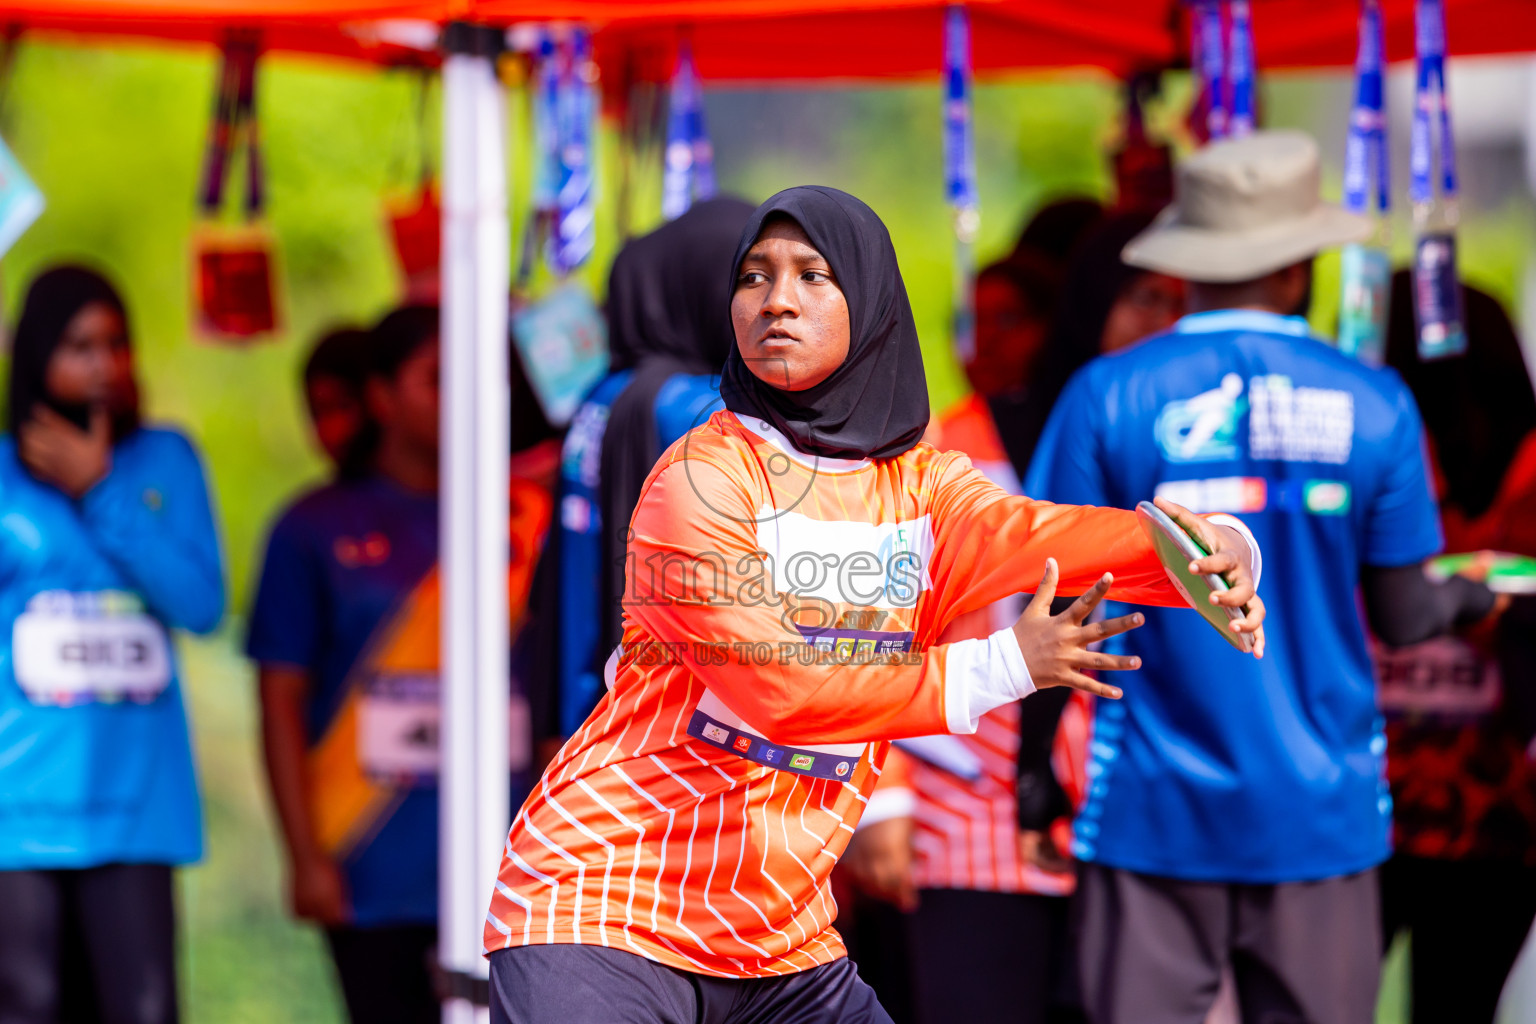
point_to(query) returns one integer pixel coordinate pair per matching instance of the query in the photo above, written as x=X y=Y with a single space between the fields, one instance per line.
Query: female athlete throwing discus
x=790 y=565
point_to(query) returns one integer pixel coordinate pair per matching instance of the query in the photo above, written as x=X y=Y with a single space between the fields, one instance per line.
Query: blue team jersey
x=95 y=761
x=346 y=570
x=682 y=403
x=1215 y=766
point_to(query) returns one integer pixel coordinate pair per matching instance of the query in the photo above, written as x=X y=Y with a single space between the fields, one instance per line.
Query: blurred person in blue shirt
x=668 y=335
x=1237 y=808
x=107 y=543
x=345 y=630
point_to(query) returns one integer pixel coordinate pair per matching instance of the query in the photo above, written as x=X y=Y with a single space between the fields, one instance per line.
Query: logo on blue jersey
x=772 y=755
x=1203 y=428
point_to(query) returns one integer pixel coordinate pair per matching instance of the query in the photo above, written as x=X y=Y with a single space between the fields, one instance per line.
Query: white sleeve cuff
x=1222 y=519
x=983 y=674
x=888 y=802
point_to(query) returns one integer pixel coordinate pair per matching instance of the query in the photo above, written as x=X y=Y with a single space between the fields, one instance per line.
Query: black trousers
x=1469 y=920
x=88 y=945
x=1151 y=950
x=993 y=958
x=386 y=973
x=598 y=985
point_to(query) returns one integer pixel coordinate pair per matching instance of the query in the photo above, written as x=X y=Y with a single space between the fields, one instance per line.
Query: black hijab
x=668 y=314
x=876 y=404
x=52 y=301
x=1478 y=407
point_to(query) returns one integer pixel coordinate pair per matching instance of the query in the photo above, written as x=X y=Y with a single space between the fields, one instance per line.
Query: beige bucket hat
x=1242 y=209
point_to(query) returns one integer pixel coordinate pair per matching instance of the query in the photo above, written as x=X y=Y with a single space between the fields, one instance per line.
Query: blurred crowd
x=994 y=876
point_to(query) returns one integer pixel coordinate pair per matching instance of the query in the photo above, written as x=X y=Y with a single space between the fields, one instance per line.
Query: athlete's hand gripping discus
x=1176 y=549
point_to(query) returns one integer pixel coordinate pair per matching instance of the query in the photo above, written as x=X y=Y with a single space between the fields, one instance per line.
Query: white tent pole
x=493 y=428
x=473 y=522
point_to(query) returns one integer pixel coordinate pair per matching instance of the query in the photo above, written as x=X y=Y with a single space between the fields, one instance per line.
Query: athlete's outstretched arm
x=697 y=585
x=989 y=544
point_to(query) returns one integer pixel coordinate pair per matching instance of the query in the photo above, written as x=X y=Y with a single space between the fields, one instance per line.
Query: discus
x=1509 y=574
x=1176 y=548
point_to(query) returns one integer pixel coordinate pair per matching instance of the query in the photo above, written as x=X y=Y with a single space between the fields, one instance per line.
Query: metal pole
x=473 y=523
x=493 y=429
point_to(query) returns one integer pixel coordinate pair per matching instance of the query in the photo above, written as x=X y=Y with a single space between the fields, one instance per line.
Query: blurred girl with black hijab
x=792 y=563
x=668 y=335
x=1461 y=710
x=109 y=543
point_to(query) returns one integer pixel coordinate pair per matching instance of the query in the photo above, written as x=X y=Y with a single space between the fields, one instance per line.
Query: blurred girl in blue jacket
x=107 y=543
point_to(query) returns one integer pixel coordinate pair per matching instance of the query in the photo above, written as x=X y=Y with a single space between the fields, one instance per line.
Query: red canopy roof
x=766 y=40
x=348 y=28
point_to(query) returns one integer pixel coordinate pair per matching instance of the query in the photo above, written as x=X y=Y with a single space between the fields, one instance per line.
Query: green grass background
x=114 y=138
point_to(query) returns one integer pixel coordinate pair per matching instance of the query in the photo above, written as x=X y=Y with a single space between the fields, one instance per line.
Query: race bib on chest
x=1443 y=679
x=399 y=718
x=101 y=646
x=399 y=724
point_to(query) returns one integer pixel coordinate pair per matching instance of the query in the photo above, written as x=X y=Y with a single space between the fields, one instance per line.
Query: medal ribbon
x=1429 y=106
x=575 y=233
x=1240 y=69
x=959 y=134
x=234 y=114
x=1365 y=150
x=1212 y=60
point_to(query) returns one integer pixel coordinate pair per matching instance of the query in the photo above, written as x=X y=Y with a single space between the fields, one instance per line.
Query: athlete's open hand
x=1056 y=646
x=1230 y=559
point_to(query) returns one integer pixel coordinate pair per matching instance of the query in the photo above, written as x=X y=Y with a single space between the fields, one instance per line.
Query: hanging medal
x=1437 y=301
x=234 y=266
x=1366 y=271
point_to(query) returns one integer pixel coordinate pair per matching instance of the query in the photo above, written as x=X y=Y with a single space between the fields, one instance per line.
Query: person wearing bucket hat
x=1237 y=811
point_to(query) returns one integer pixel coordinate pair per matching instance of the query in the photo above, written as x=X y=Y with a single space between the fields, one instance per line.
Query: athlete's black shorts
x=597 y=985
x=91 y=944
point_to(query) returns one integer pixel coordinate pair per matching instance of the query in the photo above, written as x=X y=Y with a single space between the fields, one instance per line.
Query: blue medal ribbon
x=1436 y=284
x=1366 y=272
x=690 y=159
x=546 y=113
x=959 y=135
x=1213 y=61
x=1365 y=151
x=1429 y=106
x=575 y=233
x=960 y=175
x=1240 y=69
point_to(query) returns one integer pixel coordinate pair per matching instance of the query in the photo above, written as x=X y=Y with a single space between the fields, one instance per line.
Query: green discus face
x=1176 y=549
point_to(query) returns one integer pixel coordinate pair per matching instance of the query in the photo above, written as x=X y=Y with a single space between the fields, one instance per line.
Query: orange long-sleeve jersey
x=780 y=625
x=966 y=834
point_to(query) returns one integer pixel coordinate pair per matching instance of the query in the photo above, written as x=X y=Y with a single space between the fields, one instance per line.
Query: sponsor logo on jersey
x=801 y=761
x=842 y=768
x=1295 y=424
x=717 y=734
x=1203 y=428
x=743 y=743
x=869 y=565
x=1218 y=494
x=771 y=755
x=1326 y=497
